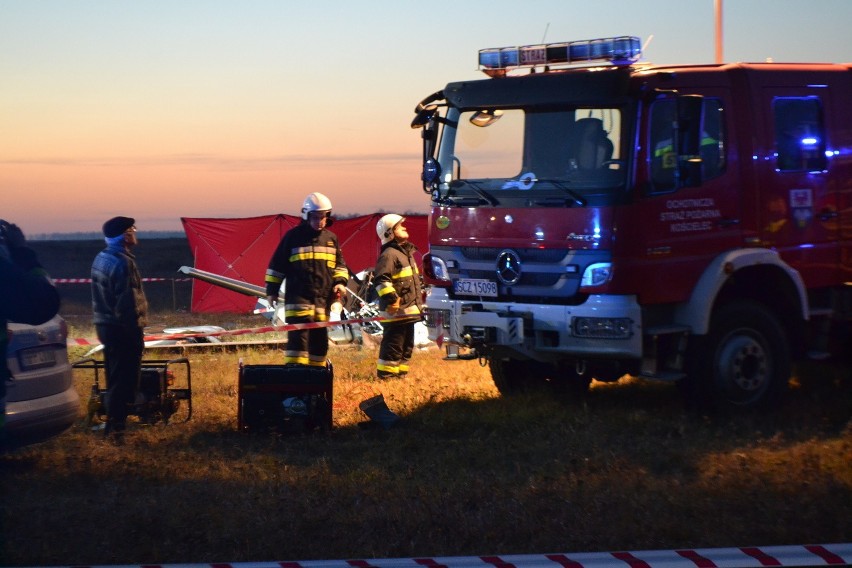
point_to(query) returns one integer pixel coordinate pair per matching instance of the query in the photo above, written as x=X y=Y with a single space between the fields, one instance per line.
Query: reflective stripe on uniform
x=274 y=276
x=298 y=357
x=327 y=254
x=388 y=366
x=406 y=272
x=304 y=311
x=384 y=288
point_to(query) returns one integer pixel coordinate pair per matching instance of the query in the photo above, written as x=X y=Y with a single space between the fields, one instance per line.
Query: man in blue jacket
x=120 y=312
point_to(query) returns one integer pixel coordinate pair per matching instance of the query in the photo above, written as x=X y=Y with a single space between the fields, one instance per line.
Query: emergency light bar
x=622 y=50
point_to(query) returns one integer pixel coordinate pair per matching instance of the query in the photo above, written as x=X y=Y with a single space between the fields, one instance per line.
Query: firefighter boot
x=377 y=410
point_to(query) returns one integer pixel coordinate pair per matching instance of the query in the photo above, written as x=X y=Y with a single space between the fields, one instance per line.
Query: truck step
x=815 y=355
x=668 y=376
x=820 y=312
x=655 y=330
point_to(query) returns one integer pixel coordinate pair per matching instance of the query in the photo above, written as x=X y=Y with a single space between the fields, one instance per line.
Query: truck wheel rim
x=744 y=366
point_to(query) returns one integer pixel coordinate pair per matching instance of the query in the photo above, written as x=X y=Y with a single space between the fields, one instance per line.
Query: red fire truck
x=593 y=217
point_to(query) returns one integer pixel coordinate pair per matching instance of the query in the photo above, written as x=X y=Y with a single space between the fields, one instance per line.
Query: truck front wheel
x=512 y=376
x=742 y=363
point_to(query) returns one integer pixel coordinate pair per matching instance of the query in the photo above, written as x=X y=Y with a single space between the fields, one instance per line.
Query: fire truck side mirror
x=424 y=116
x=431 y=173
x=426 y=121
x=690 y=109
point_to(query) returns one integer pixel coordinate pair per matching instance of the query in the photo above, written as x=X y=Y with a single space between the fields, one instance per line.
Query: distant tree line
x=97 y=235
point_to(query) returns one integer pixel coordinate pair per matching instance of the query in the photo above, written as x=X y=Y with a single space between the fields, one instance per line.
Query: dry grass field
x=465 y=472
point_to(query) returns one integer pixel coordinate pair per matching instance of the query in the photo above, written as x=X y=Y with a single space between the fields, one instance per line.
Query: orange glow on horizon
x=82 y=195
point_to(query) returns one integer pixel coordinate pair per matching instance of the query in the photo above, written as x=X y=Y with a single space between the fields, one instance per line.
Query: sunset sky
x=162 y=109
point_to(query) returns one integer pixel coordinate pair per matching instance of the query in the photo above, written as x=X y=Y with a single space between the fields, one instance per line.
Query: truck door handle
x=728 y=222
x=657 y=251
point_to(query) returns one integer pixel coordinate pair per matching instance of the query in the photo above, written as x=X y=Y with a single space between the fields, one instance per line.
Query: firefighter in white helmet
x=309 y=259
x=398 y=285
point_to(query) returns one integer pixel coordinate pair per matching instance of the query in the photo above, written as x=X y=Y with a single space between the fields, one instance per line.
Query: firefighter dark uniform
x=311 y=263
x=397 y=282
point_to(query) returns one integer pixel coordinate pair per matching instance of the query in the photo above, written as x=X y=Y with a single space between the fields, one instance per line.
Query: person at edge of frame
x=27 y=295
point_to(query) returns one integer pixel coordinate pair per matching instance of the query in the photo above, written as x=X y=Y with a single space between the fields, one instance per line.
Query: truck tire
x=742 y=363
x=572 y=386
x=512 y=376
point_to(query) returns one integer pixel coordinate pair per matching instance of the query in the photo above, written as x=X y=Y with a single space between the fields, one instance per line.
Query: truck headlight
x=596 y=274
x=435 y=268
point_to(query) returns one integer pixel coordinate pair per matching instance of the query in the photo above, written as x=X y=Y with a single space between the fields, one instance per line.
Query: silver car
x=41 y=400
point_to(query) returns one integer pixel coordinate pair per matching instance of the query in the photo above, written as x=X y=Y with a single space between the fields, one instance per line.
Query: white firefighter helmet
x=315 y=202
x=385 y=226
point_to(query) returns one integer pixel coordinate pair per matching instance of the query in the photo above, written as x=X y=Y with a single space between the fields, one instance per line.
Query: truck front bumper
x=602 y=327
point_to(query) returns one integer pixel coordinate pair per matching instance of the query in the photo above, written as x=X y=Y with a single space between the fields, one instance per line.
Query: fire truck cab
x=593 y=216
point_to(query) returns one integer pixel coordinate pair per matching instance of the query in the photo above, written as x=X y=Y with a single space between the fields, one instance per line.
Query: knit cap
x=117 y=225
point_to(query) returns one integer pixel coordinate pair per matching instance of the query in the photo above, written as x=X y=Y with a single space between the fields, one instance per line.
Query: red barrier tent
x=240 y=248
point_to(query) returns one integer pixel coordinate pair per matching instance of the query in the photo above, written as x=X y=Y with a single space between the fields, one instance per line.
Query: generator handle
x=89 y=363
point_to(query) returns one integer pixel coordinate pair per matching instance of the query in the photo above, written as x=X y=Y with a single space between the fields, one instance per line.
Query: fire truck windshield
x=550 y=157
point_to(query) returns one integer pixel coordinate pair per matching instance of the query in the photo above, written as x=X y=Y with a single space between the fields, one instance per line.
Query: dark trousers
x=396 y=348
x=123 y=362
x=306 y=346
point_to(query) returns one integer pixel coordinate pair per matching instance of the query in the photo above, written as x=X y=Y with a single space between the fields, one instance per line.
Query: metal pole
x=718 y=11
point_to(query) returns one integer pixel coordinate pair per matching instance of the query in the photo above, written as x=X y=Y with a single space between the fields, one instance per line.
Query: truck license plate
x=475 y=287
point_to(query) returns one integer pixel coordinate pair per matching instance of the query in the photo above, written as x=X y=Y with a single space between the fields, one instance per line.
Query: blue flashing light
x=579 y=51
x=622 y=50
x=510 y=57
x=626 y=50
x=489 y=58
x=600 y=49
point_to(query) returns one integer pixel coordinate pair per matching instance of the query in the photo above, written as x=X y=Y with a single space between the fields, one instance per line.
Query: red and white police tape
x=89 y=280
x=257 y=330
x=747 y=557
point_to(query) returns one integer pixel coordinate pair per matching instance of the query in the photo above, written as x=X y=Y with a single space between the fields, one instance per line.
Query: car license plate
x=37 y=358
x=475 y=287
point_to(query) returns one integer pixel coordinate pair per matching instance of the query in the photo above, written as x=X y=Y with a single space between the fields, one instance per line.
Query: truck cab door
x=681 y=224
x=797 y=209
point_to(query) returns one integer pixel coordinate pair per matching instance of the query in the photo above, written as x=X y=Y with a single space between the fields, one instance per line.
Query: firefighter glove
x=339 y=290
x=394 y=307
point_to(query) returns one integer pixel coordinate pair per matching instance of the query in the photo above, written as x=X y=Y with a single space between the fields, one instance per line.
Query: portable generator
x=285 y=398
x=158 y=395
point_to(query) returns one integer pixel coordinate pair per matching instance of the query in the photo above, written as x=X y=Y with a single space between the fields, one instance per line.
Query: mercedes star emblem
x=508 y=267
